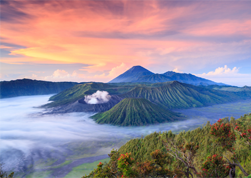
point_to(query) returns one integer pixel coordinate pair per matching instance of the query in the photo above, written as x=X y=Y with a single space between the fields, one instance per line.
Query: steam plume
x=98 y=97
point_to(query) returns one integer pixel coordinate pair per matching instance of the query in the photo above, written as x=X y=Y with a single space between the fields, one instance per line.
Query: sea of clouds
x=24 y=128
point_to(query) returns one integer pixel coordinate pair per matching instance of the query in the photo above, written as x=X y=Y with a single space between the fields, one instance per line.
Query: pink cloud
x=158 y=34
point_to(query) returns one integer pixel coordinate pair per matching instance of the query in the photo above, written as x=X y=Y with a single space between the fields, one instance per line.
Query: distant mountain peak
x=138 y=69
x=169 y=73
x=139 y=74
x=132 y=74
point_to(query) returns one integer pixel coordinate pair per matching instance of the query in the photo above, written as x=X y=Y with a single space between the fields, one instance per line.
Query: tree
x=4 y=174
x=244 y=130
x=156 y=167
x=225 y=137
x=185 y=153
x=125 y=162
x=215 y=166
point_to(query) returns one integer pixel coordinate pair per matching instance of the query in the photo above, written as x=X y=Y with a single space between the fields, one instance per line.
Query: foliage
x=196 y=153
x=224 y=134
x=244 y=129
x=226 y=138
x=125 y=162
x=215 y=166
x=3 y=174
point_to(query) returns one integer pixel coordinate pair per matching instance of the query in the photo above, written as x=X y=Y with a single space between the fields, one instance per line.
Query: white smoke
x=98 y=97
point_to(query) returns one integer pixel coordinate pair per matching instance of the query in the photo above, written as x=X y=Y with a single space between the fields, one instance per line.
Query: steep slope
x=176 y=95
x=189 y=78
x=135 y=112
x=82 y=106
x=131 y=74
x=138 y=74
x=173 y=76
x=155 y=78
x=79 y=91
x=26 y=87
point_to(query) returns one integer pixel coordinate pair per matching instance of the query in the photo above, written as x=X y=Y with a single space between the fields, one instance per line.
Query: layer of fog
x=98 y=97
x=24 y=130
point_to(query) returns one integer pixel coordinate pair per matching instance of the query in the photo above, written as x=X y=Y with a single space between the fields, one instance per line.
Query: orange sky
x=102 y=39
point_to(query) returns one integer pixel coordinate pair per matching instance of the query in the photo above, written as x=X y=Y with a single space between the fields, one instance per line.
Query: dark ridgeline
x=26 y=87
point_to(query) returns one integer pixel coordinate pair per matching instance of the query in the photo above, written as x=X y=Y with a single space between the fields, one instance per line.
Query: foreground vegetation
x=219 y=150
x=4 y=174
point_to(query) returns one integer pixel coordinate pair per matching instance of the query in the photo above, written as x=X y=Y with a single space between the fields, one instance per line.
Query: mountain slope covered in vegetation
x=203 y=152
x=131 y=74
x=176 y=95
x=81 y=90
x=26 y=87
x=135 y=112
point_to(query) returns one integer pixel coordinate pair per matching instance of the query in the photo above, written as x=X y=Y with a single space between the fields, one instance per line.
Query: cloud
x=98 y=97
x=228 y=76
x=10 y=12
x=220 y=71
x=159 y=35
x=177 y=70
x=60 y=74
x=5 y=47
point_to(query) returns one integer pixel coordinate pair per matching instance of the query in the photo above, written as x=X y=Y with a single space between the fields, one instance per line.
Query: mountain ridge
x=138 y=74
x=27 y=87
x=131 y=74
x=135 y=112
x=176 y=95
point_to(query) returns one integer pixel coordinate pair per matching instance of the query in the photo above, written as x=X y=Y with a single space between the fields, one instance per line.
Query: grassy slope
x=26 y=87
x=175 y=95
x=230 y=88
x=79 y=91
x=170 y=94
x=135 y=112
x=140 y=148
x=85 y=169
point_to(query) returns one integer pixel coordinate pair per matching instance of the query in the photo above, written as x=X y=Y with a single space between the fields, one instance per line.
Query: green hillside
x=176 y=95
x=135 y=112
x=153 y=155
x=230 y=88
x=26 y=87
x=81 y=90
x=172 y=94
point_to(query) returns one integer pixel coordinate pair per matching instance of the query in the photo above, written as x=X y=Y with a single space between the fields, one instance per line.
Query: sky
x=96 y=40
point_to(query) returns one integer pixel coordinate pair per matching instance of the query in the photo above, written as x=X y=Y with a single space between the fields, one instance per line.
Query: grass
x=39 y=174
x=46 y=163
x=62 y=164
x=85 y=169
